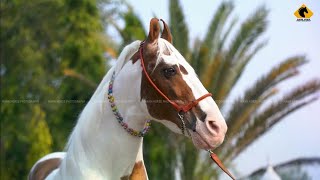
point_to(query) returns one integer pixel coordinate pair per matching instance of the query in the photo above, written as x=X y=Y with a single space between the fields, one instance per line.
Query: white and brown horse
x=151 y=80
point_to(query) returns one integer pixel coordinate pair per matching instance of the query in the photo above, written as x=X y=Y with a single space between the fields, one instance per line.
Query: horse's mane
x=125 y=55
x=97 y=99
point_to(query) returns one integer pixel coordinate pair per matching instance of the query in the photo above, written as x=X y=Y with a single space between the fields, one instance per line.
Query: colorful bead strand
x=118 y=116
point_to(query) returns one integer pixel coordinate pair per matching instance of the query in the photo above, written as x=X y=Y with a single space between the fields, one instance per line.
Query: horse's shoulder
x=45 y=166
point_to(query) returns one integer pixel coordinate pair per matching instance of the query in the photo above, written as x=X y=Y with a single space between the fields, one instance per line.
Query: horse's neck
x=99 y=146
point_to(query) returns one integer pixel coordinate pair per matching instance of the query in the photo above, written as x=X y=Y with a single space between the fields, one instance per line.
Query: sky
x=298 y=134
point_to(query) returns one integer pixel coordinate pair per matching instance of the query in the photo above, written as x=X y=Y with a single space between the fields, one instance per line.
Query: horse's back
x=46 y=165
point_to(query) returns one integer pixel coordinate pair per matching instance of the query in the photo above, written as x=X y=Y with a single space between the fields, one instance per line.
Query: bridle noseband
x=181 y=109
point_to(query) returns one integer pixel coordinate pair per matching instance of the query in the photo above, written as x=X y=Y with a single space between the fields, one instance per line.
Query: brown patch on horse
x=44 y=168
x=138 y=172
x=183 y=70
x=135 y=57
x=175 y=88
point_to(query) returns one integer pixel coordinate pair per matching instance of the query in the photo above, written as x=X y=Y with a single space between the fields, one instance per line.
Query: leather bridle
x=181 y=109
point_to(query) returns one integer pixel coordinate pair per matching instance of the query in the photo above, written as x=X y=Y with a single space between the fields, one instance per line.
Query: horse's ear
x=166 y=34
x=154 y=30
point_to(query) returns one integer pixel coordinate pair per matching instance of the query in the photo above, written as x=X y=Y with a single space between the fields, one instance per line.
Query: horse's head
x=177 y=80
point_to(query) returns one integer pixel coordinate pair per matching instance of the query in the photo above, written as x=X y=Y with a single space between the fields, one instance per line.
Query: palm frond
x=263 y=121
x=235 y=72
x=216 y=26
x=226 y=34
x=278 y=74
x=202 y=59
x=252 y=107
x=208 y=48
x=249 y=32
x=207 y=78
x=194 y=55
x=179 y=28
x=244 y=60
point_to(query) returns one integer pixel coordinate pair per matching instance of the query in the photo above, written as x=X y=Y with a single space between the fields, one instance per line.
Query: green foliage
x=158 y=161
x=180 y=32
x=39 y=136
x=133 y=29
x=81 y=51
x=40 y=40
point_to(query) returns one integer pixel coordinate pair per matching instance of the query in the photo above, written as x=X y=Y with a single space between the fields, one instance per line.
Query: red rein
x=182 y=108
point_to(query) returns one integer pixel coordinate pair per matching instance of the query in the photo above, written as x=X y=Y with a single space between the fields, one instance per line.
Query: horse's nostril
x=213 y=126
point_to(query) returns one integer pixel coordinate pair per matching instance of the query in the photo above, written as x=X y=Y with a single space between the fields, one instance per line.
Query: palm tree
x=219 y=66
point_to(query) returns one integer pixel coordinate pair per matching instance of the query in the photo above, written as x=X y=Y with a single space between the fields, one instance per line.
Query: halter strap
x=179 y=108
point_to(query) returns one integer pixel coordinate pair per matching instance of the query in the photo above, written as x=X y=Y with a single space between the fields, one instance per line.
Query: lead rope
x=215 y=159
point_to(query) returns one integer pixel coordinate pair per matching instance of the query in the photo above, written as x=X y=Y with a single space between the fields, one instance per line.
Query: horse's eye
x=169 y=72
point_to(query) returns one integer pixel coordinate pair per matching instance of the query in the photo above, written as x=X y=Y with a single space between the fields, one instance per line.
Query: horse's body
x=99 y=148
